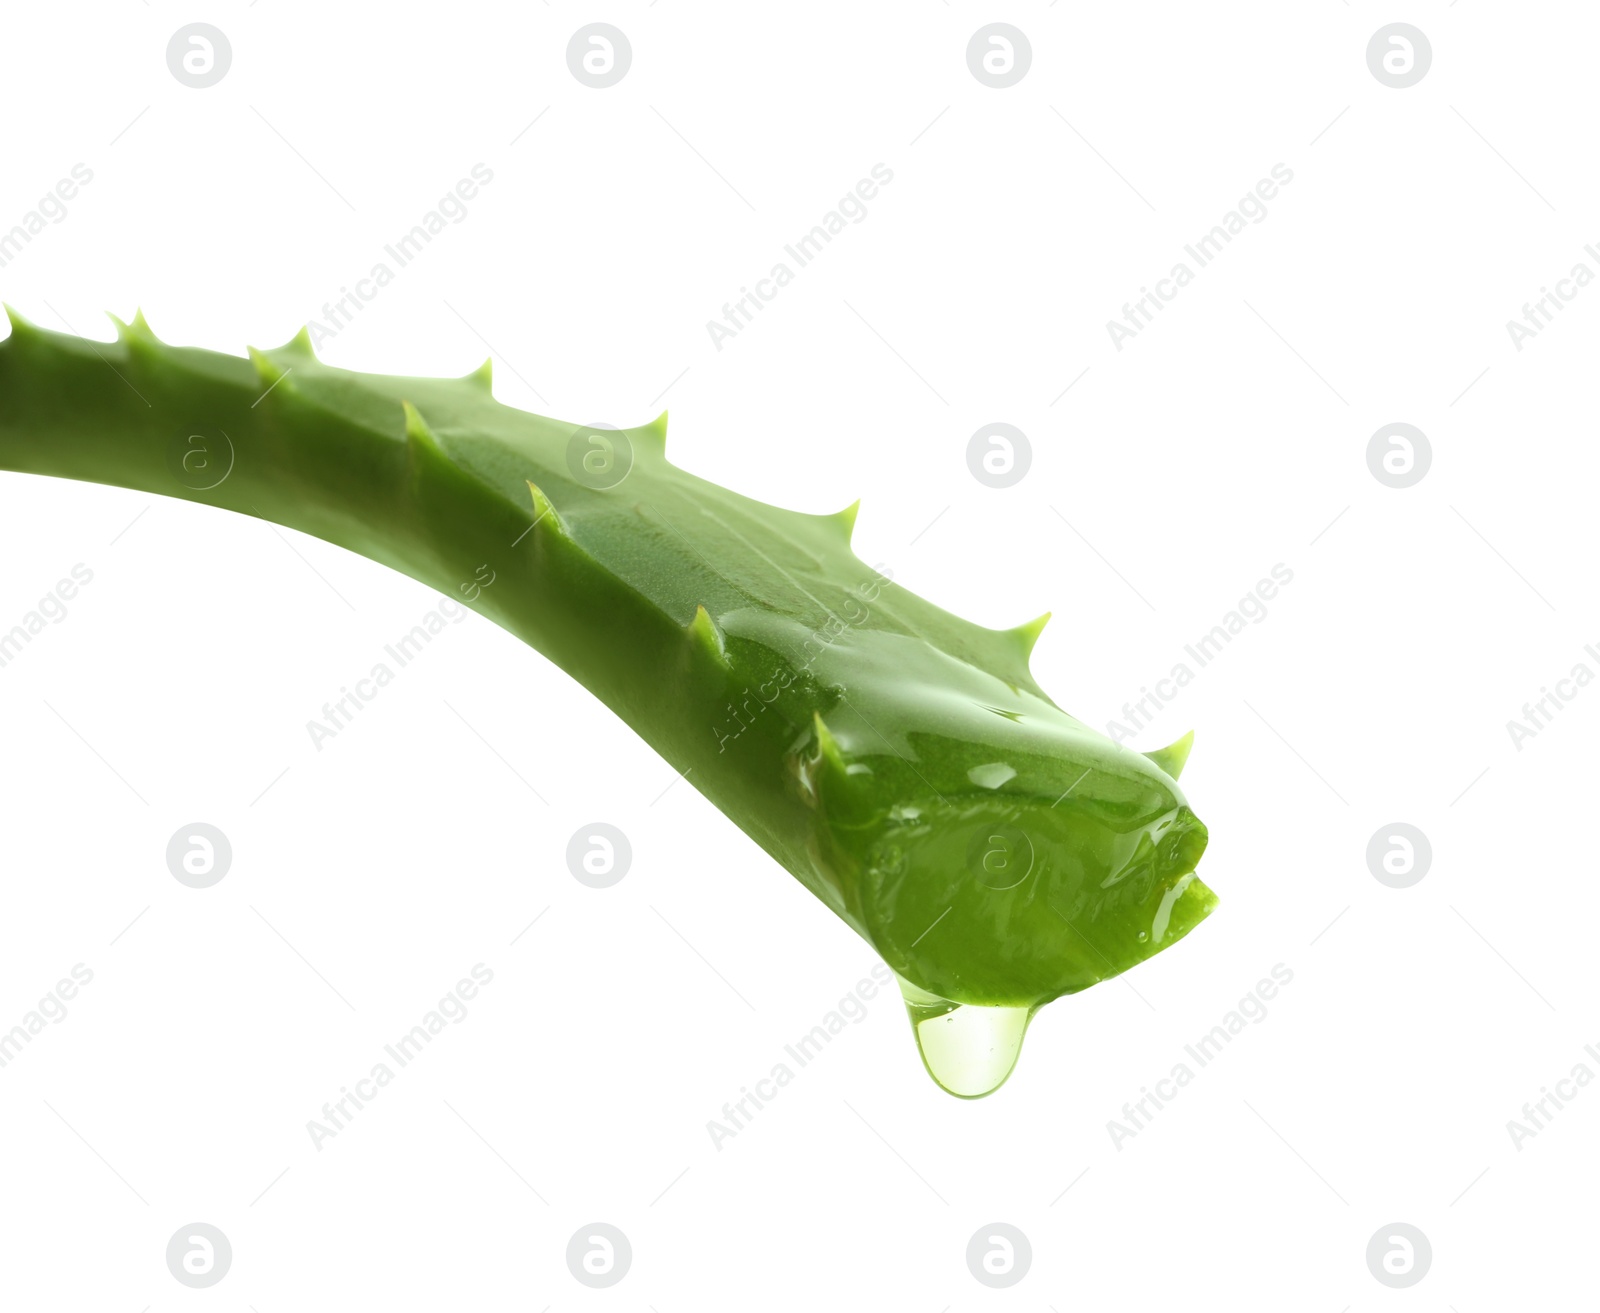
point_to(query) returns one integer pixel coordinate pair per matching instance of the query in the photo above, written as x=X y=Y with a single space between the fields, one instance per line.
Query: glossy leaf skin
x=902 y=763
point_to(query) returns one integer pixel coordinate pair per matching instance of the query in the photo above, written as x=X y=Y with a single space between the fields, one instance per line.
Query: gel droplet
x=968 y=1049
x=992 y=775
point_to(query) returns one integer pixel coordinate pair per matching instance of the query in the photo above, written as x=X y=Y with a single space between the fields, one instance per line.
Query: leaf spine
x=544 y=514
x=1172 y=757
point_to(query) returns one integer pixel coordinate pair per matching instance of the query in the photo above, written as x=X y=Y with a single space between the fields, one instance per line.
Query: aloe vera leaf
x=902 y=763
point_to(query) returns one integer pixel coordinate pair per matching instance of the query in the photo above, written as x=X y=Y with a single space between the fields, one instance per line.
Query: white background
x=1227 y=437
